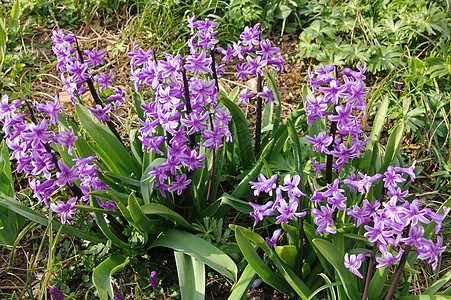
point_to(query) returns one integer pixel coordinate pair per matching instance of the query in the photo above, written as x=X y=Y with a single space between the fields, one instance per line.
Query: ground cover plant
x=326 y=188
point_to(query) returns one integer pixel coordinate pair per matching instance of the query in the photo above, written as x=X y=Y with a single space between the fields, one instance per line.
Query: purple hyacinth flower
x=408 y=171
x=179 y=184
x=251 y=36
x=66 y=139
x=50 y=108
x=354 y=262
x=288 y=211
x=267 y=94
x=117 y=293
x=198 y=63
x=320 y=142
x=55 y=293
x=264 y=185
x=104 y=79
x=323 y=219
x=101 y=113
x=94 y=57
x=388 y=258
x=243 y=96
x=261 y=211
x=272 y=242
x=66 y=210
x=153 y=280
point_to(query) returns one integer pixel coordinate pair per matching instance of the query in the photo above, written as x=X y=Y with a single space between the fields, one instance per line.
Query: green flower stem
x=398 y=274
x=369 y=272
x=300 y=246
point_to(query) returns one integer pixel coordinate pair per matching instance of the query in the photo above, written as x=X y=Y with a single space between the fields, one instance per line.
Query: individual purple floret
x=66 y=210
x=55 y=293
x=272 y=242
x=101 y=112
x=117 y=293
x=153 y=280
x=354 y=262
x=264 y=185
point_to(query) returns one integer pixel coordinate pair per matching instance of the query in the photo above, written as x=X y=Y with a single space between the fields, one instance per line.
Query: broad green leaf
x=14 y=17
x=101 y=276
x=310 y=235
x=336 y=258
x=161 y=210
x=375 y=134
x=378 y=281
x=191 y=274
x=438 y=284
x=288 y=254
x=106 y=145
x=241 y=287
x=236 y=203
x=8 y=230
x=242 y=128
x=273 y=86
x=147 y=180
x=198 y=248
x=288 y=274
x=122 y=179
x=105 y=228
x=6 y=179
x=151 y=226
x=260 y=267
x=296 y=145
x=23 y=210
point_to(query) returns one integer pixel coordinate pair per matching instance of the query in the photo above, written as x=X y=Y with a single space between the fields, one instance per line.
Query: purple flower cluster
x=386 y=223
x=76 y=66
x=255 y=55
x=185 y=106
x=30 y=145
x=285 y=210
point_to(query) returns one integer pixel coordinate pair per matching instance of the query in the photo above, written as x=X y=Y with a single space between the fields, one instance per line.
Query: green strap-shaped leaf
x=236 y=203
x=23 y=210
x=14 y=17
x=377 y=282
x=147 y=180
x=138 y=216
x=273 y=86
x=242 y=128
x=288 y=274
x=101 y=276
x=259 y=266
x=6 y=179
x=107 y=146
x=105 y=228
x=296 y=145
x=336 y=258
x=161 y=210
x=8 y=230
x=241 y=287
x=375 y=134
x=191 y=274
x=438 y=284
x=200 y=249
